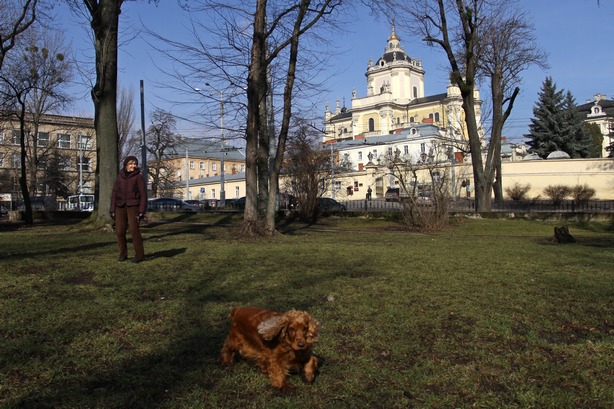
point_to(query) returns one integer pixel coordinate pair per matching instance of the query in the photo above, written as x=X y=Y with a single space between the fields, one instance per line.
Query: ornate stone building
x=396 y=100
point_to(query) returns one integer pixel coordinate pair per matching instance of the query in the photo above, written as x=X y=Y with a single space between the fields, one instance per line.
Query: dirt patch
x=86 y=278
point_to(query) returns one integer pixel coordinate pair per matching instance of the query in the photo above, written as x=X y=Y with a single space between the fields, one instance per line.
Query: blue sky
x=576 y=34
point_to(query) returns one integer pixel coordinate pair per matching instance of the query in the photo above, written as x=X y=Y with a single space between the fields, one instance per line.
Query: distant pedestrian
x=128 y=206
x=369 y=193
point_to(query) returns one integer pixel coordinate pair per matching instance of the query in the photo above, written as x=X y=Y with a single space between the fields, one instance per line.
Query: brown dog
x=279 y=343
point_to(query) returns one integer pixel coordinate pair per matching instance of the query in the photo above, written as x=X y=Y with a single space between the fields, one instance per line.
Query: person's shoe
x=137 y=260
x=122 y=258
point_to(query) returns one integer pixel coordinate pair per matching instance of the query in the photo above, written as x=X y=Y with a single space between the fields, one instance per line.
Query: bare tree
x=424 y=186
x=16 y=17
x=507 y=48
x=128 y=140
x=103 y=16
x=161 y=141
x=256 y=54
x=455 y=26
x=307 y=168
x=304 y=15
x=32 y=84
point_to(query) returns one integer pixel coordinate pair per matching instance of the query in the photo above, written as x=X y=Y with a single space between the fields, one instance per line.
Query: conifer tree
x=576 y=139
x=545 y=127
x=557 y=124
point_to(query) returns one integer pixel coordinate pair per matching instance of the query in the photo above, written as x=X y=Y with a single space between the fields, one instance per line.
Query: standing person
x=128 y=206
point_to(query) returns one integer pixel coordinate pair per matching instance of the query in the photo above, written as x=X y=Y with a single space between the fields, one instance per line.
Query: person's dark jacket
x=129 y=190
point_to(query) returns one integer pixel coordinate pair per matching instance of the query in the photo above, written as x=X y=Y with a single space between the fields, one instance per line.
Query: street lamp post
x=222 y=150
x=187 y=174
x=222 y=191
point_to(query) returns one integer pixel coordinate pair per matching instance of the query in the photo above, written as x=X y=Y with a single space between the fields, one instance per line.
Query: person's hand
x=112 y=214
x=141 y=217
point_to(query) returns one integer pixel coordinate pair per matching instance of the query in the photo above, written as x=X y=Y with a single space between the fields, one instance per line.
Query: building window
x=16 y=161
x=398 y=120
x=405 y=149
x=43 y=139
x=423 y=147
x=390 y=151
x=214 y=166
x=436 y=116
x=237 y=192
x=63 y=141
x=85 y=142
x=65 y=164
x=191 y=164
x=415 y=92
x=85 y=164
x=213 y=193
x=242 y=167
x=374 y=153
x=360 y=155
x=371 y=125
x=1 y=160
x=202 y=165
x=15 y=137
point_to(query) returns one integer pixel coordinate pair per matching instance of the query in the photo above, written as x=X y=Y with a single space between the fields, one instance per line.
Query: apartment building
x=60 y=156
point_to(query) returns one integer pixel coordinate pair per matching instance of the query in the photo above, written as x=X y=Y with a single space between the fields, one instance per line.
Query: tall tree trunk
x=264 y=147
x=285 y=123
x=105 y=24
x=256 y=92
x=23 y=179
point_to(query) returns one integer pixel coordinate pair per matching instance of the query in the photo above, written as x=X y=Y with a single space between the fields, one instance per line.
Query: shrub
x=518 y=191
x=557 y=193
x=582 y=193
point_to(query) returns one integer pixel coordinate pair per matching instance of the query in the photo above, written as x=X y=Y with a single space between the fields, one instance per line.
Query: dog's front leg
x=277 y=375
x=310 y=369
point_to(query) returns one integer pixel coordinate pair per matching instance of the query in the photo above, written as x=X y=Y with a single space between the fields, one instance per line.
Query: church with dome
x=395 y=100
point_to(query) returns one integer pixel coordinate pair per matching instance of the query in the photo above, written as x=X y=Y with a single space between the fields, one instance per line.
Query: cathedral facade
x=396 y=101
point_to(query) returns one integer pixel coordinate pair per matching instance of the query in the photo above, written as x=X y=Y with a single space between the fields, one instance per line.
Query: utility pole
x=143 y=144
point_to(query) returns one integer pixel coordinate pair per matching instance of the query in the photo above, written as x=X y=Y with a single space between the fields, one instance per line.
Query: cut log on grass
x=562 y=235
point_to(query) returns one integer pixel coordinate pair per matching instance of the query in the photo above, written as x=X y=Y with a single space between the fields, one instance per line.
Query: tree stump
x=562 y=235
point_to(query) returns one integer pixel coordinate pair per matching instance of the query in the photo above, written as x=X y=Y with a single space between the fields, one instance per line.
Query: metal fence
x=468 y=205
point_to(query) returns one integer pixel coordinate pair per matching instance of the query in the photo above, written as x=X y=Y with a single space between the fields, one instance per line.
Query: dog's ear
x=271 y=327
x=313 y=329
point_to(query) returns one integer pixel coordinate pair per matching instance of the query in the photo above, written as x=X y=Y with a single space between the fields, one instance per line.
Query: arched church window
x=436 y=116
x=412 y=119
x=371 y=125
x=415 y=92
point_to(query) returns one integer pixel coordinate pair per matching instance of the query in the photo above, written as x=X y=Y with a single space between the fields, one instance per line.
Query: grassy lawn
x=488 y=314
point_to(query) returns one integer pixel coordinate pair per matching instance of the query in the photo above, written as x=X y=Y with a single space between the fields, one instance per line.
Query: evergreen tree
x=545 y=127
x=576 y=141
x=557 y=125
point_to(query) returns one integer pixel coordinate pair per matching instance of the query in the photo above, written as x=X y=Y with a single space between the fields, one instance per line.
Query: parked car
x=424 y=199
x=169 y=204
x=236 y=204
x=199 y=204
x=326 y=204
x=392 y=194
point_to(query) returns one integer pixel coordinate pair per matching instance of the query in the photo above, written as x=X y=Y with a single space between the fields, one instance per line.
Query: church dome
x=393 y=51
x=558 y=155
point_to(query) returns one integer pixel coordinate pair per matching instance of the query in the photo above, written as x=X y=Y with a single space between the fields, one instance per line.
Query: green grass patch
x=487 y=314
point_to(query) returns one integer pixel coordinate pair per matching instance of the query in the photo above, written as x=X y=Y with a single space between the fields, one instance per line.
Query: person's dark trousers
x=126 y=218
